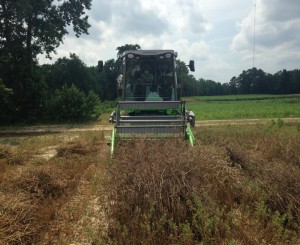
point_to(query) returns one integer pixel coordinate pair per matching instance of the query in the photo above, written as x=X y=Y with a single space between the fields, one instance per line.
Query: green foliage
x=126 y=47
x=6 y=103
x=207 y=223
x=71 y=104
x=29 y=28
x=39 y=26
x=69 y=71
x=251 y=81
x=282 y=226
x=244 y=97
x=5 y=93
x=276 y=124
x=244 y=106
x=111 y=72
x=31 y=86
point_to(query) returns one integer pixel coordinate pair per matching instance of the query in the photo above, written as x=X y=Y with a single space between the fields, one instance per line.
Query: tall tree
x=126 y=47
x=29 y=28
x=295 y=81
x=39 y=26
x=5 y=103
x=252 y=81
x=111 y=69
x=233 y=85
x=68 y=71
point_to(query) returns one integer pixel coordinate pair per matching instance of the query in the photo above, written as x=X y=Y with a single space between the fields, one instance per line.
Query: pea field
x=244 y=106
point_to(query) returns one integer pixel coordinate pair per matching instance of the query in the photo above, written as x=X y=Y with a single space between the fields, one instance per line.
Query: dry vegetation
x=237 y=185
x=51 y=198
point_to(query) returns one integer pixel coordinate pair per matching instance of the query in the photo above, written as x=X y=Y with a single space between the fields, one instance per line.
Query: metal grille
x=152 y=124
x=139 y=105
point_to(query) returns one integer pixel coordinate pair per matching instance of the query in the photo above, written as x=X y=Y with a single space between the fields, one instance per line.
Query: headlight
x=168 y=55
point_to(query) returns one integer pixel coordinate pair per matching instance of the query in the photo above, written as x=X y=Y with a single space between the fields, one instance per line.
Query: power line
x=254 y=33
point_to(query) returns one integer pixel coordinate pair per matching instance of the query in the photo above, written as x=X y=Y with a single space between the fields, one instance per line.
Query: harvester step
x=151 y=117
x=150 y=126
x=150 y=121
x=140 y=105
x=150 y=129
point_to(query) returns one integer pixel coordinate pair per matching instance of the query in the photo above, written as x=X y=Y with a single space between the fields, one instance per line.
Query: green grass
x=244 y=106
x=104 y=109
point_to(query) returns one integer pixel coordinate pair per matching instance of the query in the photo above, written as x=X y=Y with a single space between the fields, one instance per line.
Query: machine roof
x=149 y=52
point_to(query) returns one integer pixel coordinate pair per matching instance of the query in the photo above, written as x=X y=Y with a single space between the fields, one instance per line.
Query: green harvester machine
x=150 y=104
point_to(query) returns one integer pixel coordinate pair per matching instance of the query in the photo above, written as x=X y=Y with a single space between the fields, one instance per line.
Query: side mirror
x=100 y=65
x=192 y=65
x=120 y=82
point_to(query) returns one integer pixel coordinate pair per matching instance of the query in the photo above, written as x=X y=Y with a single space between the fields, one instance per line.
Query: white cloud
x=217 y=35
x=277 y=35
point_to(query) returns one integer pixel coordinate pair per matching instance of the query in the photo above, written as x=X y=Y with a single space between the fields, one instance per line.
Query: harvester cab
x=150 y=103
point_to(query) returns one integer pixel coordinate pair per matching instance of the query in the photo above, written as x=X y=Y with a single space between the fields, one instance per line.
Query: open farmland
x=237 y=185
x=245 y=106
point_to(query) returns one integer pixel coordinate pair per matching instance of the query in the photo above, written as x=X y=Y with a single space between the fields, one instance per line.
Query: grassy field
x=244 y=106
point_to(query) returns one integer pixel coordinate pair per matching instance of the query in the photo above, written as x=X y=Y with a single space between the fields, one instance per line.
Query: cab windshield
x=149 y=78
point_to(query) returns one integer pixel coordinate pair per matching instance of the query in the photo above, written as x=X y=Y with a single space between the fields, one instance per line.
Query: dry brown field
x=239 y=184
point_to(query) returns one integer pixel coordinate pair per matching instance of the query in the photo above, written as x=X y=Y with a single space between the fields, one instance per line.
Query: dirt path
x=260 y=121
x=48 y=129
x=52 y=129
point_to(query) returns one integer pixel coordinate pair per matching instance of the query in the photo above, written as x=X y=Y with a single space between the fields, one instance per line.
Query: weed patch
x=160 y=195
x=237 y=185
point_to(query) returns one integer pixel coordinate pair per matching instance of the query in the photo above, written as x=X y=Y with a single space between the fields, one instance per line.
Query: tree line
x=251 y=81
x=68 y=89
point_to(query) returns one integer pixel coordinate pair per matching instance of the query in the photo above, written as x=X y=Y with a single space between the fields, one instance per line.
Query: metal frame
x=147 y=125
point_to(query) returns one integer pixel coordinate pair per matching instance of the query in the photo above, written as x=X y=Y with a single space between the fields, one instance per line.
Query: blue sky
x=218 y=35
